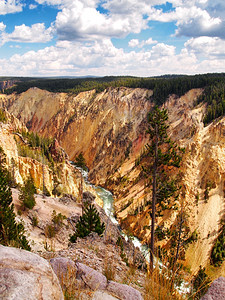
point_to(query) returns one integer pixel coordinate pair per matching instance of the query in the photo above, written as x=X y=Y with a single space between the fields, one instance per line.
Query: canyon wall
x=102 y=126
x=63 y=175
x=110 y=129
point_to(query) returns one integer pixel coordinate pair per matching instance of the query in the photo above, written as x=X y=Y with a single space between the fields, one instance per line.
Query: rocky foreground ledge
x=26 y=275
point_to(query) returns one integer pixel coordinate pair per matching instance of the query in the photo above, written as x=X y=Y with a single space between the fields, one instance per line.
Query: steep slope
x=63 y=175
x=103 y=126
x=203 y=167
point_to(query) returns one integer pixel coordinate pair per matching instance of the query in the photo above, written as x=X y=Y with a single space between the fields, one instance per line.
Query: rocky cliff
x=62 y=176
x=103 y=126
x=110 y=129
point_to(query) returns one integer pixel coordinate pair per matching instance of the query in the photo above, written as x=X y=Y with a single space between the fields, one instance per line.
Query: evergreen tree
x=88 y=222
x=11 y=233
x=26 y=195
x=162 y=153
x=80 y=161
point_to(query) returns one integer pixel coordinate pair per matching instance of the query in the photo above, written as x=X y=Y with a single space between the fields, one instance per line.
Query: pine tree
x=88 y=222
x=26 y=195
x=162 y=153
x=80 y=161
x=11 y=233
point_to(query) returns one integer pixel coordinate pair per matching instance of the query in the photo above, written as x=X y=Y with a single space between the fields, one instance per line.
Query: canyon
x=109 y=128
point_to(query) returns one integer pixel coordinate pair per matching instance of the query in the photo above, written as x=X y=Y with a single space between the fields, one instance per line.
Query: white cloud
x=2 y=26
x=25 y=34
x=210 y=47
x=197 y=22
x=84 y=39
x=133 y=43
x=10 y=6
x=81 y=20
x=191 y=20
x=140 y=44
x=32 y=6
x=162 y=50
x=99 y=58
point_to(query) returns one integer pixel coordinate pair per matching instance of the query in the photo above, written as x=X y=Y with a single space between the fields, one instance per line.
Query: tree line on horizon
x=163 y=86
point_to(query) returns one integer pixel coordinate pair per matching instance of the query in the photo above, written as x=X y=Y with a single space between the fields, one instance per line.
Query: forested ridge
x=163 y=86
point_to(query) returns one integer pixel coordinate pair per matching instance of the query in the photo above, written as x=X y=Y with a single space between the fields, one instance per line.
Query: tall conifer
x=162 y=153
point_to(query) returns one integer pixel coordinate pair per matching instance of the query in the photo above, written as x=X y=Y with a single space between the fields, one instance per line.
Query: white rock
x=26 y=276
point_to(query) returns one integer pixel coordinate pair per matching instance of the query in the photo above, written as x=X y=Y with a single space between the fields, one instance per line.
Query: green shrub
x=201 y=283
x=218 y=250
x=50 y=231
x=34 y=221
x=57 y=219
x=2 y=116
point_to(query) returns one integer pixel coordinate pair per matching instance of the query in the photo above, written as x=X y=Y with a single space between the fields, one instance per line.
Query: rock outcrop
x=94 y=280
x=216 y=290
x=64 y=177
x=26 y=276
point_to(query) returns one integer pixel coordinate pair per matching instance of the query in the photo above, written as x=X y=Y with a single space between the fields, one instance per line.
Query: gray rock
x=93 y=279
x=123 y=291
x=100 y=295
x=64 y=268
x=88 y=198
x=67 y=198
x=216 y=291
x=26 y=276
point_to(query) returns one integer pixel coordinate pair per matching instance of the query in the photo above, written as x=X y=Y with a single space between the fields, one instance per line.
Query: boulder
x=216 y=291
x=26 y=276
x=93 y=279
x=123 y=291
x=64 y=268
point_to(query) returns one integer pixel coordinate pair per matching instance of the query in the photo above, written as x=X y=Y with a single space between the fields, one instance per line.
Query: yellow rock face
x=21 y=168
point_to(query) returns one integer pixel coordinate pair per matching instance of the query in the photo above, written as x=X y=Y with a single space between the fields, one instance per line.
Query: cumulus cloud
x=197 y=22
x=99 y=58
x=10 y=6
x=84 y=39
x=140 y=44
x=25 y=34
x=210 y=47
x=81 y=20
x=194 y=18
x=84 y=20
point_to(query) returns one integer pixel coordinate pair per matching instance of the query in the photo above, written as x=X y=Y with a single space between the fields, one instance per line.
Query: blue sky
x=111 y=37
